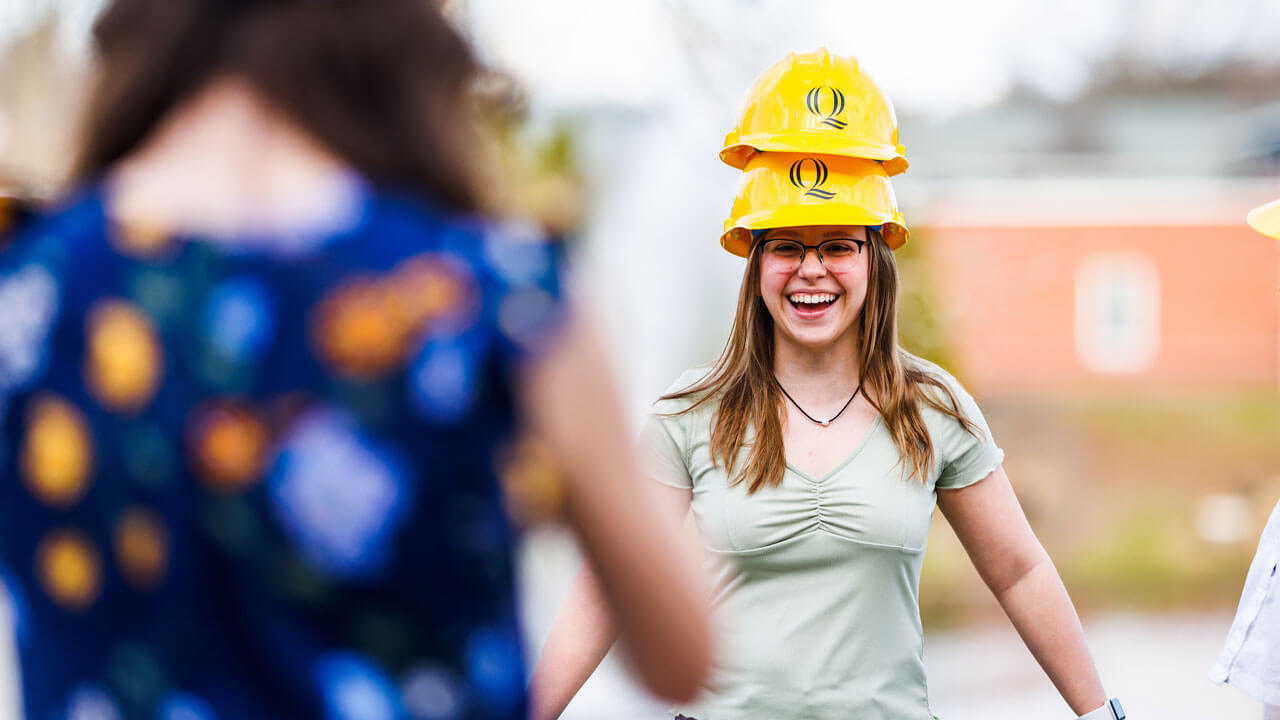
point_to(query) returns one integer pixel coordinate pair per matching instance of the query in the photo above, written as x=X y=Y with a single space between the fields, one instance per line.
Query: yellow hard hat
x=1266 y=219
x=794 y=189
x=816 y=103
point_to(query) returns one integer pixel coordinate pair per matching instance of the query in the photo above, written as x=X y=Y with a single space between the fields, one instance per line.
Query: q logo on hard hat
x=820 y=173
x=813 y=101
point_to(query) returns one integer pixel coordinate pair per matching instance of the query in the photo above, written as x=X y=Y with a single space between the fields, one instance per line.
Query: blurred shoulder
x=509 y=269
x=48 y=233
x=501 y=252
x=518 y=252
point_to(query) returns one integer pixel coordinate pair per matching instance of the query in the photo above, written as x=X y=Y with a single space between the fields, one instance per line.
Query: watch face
x=1116 y=709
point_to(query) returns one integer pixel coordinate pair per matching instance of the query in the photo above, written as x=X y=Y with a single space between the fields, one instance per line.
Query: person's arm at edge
x=995 y=533
x=652 y=589
x=583 y=632
x=580 y=637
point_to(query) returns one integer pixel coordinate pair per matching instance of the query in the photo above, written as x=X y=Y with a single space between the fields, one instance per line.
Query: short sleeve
x=964 y=458
x=521 y=271
x=669 y=432
x=663 y=457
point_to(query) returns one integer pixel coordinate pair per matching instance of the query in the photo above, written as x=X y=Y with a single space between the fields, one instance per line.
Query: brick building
x=1051 y=285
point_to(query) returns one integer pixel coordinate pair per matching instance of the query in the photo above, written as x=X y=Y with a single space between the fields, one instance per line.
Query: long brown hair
x=382 y=83
x=742 y=380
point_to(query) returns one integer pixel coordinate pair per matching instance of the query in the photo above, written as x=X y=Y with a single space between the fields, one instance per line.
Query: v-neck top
x=817 y=580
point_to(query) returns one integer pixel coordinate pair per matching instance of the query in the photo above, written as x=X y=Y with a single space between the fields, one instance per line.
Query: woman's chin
x=812 y=338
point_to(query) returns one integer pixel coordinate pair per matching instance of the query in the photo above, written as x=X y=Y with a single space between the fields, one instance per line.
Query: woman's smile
x=812 y=304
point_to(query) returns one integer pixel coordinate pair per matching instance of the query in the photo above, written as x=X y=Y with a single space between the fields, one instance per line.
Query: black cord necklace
x=812 y=418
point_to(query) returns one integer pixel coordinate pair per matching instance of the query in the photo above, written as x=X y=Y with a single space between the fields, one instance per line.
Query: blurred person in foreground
x=1250 y=658
x=258 y=376
x=812 y=454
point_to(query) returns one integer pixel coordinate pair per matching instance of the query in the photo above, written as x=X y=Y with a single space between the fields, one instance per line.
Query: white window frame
x=1117 y=312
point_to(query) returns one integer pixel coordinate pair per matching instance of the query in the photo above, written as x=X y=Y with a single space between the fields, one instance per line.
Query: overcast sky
x=934 y=56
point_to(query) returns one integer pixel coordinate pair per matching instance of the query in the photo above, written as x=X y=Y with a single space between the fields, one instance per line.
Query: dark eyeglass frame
x=859 y=244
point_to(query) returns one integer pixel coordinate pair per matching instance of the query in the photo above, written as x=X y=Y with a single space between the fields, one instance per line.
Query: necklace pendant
x=812 y=419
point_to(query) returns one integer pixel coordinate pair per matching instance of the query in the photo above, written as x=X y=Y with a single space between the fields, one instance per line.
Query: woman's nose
x=811 y=264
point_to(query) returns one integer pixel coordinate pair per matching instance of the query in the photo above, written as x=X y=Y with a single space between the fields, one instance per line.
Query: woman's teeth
x=811 y=299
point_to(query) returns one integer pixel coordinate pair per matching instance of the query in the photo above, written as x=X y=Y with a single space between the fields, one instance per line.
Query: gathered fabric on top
x=816 y=580
x=258 y=477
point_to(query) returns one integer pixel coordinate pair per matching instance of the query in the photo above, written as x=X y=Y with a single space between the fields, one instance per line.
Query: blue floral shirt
x=260 y=479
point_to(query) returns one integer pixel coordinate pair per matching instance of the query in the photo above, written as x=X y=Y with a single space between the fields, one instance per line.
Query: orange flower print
x=227 y=441
x=124 y=361
x=56 y=458
x=427 y=287
x=366 y=327
x=69 y=569
x=141 y=546
x=357 y=330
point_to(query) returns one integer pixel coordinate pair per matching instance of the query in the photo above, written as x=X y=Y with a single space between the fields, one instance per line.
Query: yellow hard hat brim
x=794 y=190
x=738 y=239
x=1266 y=219
x=738 y=150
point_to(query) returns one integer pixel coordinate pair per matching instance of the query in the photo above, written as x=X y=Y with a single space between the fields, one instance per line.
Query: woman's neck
x=818 y=375
x=224 y=163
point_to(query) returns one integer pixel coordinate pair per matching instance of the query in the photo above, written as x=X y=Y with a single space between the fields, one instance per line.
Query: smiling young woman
x=811 y=457
x=812 y=453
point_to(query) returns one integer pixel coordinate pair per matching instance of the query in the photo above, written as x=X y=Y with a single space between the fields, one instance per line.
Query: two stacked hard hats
x=817 y=141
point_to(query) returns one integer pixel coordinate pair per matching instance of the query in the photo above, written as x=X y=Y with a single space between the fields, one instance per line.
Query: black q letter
x=813 y=101
x=820 y=172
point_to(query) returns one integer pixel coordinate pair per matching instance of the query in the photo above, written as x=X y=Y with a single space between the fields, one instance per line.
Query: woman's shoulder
x=689 y=378
x=666 y=405
x=932 y=371
x=942 y=386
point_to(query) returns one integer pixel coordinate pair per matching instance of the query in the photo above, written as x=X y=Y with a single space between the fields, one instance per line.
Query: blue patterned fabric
x=260 y=479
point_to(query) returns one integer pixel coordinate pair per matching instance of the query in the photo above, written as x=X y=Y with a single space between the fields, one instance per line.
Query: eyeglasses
x=837 y=254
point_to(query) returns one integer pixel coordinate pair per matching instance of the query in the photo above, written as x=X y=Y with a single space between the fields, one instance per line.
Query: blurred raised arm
x=585 y=630
x=637 y=575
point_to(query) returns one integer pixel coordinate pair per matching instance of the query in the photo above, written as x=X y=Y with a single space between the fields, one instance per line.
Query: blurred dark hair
x=382 y=83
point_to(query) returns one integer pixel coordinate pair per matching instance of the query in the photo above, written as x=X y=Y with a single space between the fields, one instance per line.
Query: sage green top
x=817 y=580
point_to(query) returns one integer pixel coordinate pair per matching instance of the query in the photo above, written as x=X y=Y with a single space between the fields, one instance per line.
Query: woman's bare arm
x=990 y=523
x=585 y=629
x=642 y=580
x=581 y=636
